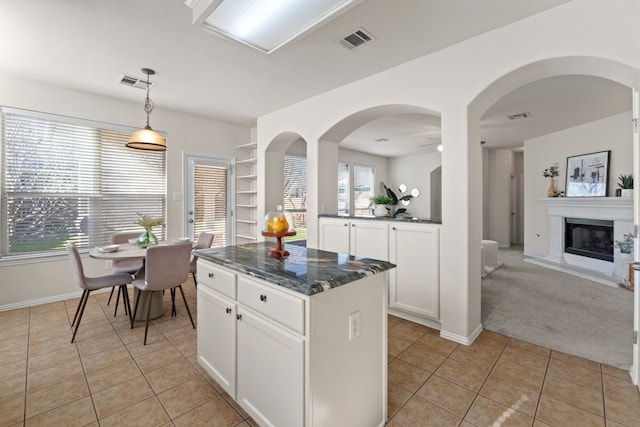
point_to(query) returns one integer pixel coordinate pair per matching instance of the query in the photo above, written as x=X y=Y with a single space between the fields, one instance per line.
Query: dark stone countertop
x=383 y=218
x=307 y=271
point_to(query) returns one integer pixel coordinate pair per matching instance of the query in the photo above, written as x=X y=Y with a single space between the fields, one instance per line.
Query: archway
x=585 y=66
x=286 y=177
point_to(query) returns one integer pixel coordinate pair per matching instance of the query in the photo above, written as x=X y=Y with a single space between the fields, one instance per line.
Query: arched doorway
x=597 y=67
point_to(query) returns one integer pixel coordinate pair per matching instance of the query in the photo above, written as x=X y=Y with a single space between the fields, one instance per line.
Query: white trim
x=433 y=324
x=47 y=300
x=460 y=339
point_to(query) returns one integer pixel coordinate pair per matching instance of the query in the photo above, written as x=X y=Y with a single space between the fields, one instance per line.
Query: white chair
x=205 y=239
x=167 y=266
x=89 y=284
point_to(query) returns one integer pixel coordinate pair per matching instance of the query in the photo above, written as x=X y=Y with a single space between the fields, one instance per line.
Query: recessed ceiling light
x=266 y=25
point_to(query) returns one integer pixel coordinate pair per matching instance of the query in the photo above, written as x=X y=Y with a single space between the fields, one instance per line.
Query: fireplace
x=592 y=238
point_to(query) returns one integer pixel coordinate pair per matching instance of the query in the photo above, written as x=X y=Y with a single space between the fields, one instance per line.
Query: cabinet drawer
x=217 y=279
x=279 y=306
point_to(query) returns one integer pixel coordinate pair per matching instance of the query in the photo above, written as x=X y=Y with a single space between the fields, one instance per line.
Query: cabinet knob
x=228 y=310
x=353 y=225
x=393 y=228
x=346 y=225
x=239 y=316
x=211 y=275
x=263 y=298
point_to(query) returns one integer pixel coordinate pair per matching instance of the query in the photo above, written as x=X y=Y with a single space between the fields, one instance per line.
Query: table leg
x=157 y=305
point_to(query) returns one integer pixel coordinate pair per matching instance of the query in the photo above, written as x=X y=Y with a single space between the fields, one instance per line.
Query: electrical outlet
x=354 y=325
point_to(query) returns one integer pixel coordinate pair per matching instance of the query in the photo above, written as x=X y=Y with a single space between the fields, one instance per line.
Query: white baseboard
x=433 y=324
x=461 y=339
x=47 y=300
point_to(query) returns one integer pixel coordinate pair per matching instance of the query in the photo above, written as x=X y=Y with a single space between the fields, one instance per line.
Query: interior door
x=208 y=198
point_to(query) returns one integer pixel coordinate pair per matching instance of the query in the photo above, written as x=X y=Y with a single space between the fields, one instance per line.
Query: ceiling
x=88 y=45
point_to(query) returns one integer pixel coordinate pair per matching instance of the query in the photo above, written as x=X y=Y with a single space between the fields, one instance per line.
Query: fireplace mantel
x=616 y=209
x=611 y=208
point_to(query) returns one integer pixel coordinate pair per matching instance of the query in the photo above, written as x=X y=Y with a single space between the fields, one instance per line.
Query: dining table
x=127 y=251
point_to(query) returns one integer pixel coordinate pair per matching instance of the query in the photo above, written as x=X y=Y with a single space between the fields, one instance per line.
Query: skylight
x=267 y=25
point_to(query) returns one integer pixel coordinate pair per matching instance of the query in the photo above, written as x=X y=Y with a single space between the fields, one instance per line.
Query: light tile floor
x=108 y=378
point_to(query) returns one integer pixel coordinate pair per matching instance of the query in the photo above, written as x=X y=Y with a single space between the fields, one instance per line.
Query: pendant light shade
x=146 y=138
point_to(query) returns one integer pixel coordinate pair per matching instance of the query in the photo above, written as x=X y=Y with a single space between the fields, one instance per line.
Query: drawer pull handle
x=239 y=316
x=263 y=298
x=211 y=275
x=228 y=310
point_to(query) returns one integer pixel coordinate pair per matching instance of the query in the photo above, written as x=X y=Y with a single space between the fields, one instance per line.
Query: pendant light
x=147 y=138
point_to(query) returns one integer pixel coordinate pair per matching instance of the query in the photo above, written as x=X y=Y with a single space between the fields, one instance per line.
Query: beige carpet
x=558 y=311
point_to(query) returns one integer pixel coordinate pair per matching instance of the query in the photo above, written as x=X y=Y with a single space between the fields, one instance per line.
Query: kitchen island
x=299 y=341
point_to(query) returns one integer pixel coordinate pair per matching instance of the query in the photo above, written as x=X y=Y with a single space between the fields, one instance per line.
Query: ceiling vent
x=519 y=116
x=135 y=82
x=356 y=39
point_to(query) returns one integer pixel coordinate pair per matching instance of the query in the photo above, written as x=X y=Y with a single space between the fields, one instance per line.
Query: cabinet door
x=270 y=372
x=414 y=285
x=217 y=337
x=370 y=239
x=334 y=235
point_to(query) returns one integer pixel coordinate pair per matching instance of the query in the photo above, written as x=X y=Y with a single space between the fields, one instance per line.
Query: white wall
x=612 y=133
x=23 y=282
x=460 y=83
x=414 y=171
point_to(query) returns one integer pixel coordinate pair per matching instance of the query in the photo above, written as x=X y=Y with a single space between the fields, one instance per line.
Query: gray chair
x=89 y=284
x=130 y=266
x=205 y=239
x=167 y=266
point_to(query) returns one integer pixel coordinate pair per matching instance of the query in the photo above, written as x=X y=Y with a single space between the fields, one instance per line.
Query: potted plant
x=380 y=203
x=551 y=172
x=625 y=182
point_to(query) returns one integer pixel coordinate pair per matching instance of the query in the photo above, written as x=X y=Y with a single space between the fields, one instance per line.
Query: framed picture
x=588 y=175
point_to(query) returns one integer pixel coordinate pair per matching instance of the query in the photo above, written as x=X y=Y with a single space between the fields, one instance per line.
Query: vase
x=147 y=238
x=380 y=210
x=621 y=270
x=551 y=192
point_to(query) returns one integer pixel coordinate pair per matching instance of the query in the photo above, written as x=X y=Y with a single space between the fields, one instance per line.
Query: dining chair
x=130 y=266
x=89 y=284
x=167 y=266
x=205 y=239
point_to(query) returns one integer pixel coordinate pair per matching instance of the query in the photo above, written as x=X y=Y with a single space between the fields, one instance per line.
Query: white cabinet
x=361 y=238
x=286 y=358
x=270 y=372
x=334 y=235
x=217 y=348
x=414 y=285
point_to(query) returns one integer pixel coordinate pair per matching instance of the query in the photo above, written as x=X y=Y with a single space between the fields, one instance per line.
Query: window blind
x=343 y=188
x=73 y=180
x=295 y=192
x=210 y=202
x=363 y=188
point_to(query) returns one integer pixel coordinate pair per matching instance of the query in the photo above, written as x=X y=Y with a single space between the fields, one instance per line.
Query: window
x=210 y=204
x=343 y=188
x=295 y=193
x=73 y=180
x=364 y=178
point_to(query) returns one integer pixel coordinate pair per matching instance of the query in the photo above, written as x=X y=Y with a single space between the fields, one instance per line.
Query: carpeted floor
x=558 y=311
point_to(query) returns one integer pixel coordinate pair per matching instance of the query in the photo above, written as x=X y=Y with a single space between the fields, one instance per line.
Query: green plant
x=381 y=199
x=626 y=245
x=395 y=200
x=625 y=182
x=551 y=172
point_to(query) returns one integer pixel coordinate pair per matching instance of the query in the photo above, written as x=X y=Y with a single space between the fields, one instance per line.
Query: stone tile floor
x=108 y=378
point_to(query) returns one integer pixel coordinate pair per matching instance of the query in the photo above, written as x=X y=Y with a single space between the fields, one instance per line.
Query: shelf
x=247 y=192
x=246 y=236
x=247 y=206
x=247 y=221
x=246 y=177
x=248 y=147
x=249 y=162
